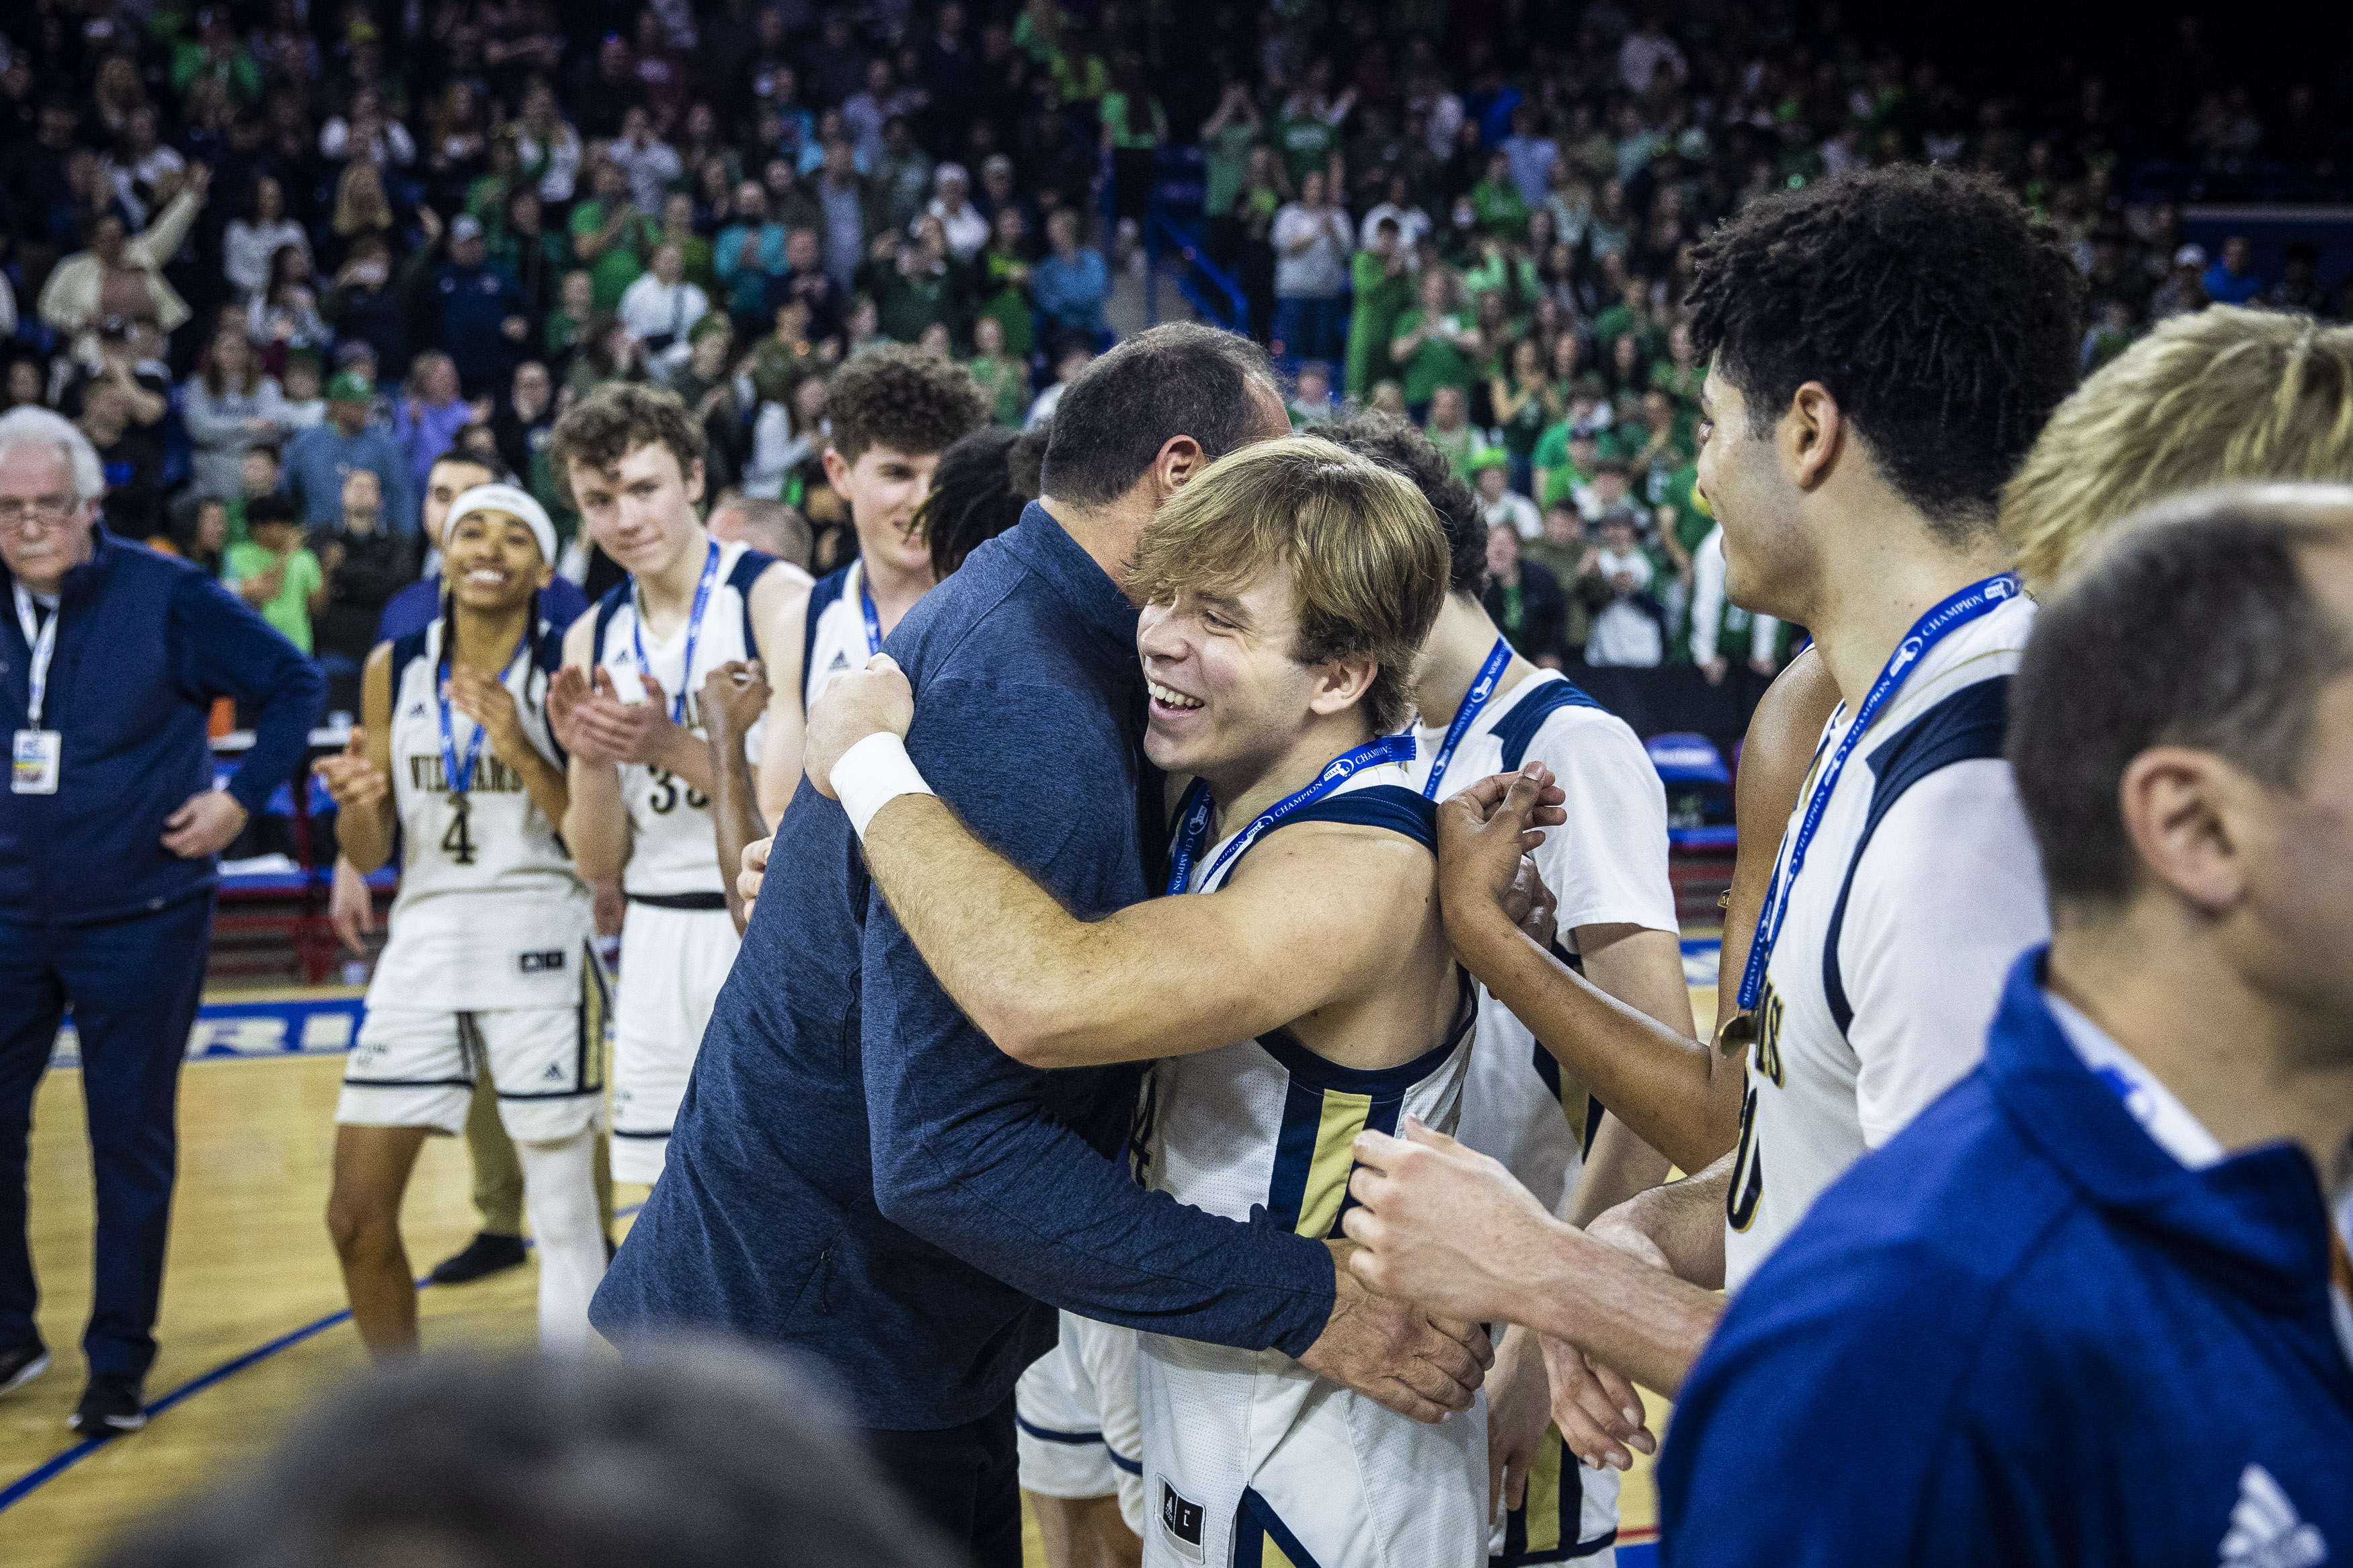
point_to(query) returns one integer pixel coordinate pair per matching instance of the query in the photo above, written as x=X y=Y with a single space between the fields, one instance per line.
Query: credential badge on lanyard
x=36 y=757
x=1977 y=599
x=1194 y=815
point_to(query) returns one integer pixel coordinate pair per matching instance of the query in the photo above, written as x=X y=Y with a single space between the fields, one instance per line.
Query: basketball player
x=626 y=709
x=1309 y=994
x=487 y=970
x=1855 y=476
x=1485 y=710
x=498 y=1178
x=889 y=417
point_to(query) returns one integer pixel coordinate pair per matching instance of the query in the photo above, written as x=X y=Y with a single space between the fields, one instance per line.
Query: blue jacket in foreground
x=857 y=1171
x=144 y=643
x=2023 y=1334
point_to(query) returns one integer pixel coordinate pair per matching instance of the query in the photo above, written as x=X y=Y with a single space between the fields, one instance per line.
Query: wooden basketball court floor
x=253 y=1328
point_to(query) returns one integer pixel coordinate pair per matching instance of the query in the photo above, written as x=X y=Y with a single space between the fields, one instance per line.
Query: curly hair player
x=1885 y=347
x=626 y=709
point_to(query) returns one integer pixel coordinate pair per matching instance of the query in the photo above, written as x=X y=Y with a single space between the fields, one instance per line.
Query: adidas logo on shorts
x=841 y=661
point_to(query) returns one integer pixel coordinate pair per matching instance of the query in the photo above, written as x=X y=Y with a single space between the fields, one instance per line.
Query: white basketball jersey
x=1607 y=866
x=838 y=639
x=1921 y=887
x=674 y=843
x=1244 y=1449
x=490 y=913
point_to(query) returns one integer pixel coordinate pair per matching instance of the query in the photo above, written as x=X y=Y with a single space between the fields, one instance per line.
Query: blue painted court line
x=41 y=1475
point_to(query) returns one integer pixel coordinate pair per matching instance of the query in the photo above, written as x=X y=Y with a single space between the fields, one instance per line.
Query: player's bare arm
x=1282 y=940
x=360 y=777
x=596 y=822
x=1663 y=1084
x=734 y=695
x=1450 y=1230
x=779 y=624
x=1774 y=757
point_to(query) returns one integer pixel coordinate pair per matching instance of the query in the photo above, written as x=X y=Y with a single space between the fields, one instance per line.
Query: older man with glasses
x=108 y=837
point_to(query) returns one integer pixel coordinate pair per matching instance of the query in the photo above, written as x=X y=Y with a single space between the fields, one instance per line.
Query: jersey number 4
x=664 y=799
x=458 y=842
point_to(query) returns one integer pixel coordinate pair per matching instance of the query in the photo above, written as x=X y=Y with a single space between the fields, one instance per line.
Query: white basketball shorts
x=1076 y=1421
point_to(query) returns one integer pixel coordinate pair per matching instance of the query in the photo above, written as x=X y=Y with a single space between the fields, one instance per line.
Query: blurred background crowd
x=276 y=256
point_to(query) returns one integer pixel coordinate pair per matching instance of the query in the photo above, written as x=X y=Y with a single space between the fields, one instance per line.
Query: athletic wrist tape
x=875 y=771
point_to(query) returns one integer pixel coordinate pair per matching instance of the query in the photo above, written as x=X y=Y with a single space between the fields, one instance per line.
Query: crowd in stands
x=276 y=256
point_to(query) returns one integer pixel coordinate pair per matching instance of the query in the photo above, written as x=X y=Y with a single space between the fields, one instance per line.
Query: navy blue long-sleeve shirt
x=2022 y=1334
x=857 y=1171
x=144 y=645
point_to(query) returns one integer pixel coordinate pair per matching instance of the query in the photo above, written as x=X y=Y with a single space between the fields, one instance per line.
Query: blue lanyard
x=457 y=772
x=1977 y=599
x=873 y=621
x=693 y=632
x=1474 y=700
x=1194 y=827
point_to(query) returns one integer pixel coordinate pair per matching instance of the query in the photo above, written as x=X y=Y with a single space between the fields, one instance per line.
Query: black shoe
x=109 y=1406
x=484 y=1256
x=23 y=1365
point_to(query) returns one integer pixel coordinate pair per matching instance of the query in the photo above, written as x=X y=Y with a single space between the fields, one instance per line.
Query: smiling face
x=492 y=561
x=1227 y=695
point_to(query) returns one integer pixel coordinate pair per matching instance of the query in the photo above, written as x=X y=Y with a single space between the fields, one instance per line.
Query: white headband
x=511 y=500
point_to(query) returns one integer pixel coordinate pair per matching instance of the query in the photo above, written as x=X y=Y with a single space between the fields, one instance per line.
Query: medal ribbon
x=1194 y=816
x=1978 y=599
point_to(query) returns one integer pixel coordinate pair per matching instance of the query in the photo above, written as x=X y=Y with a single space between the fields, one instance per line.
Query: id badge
x=34 y=761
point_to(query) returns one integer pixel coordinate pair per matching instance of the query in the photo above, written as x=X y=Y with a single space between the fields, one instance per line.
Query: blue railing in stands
x=1207 y=287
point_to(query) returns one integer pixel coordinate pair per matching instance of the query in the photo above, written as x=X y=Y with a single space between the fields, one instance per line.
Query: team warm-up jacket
x=144 y=645
x=857 y=1171
x=2023 y=1334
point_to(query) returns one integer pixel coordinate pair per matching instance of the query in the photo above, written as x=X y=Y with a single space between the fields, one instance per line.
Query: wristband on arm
x=871 y=774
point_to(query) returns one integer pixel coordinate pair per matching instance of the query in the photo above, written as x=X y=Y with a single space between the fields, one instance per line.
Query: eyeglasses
x=47 y=510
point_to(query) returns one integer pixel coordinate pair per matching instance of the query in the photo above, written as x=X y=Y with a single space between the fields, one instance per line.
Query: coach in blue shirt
x=108 y=666
x=857 y=1171
x=2080 y=1312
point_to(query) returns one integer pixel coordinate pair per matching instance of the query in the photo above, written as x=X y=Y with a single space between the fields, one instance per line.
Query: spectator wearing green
x=1134 y=127
x=1524 y=406
x=1496 y=202
x=915 y=283
x=610 y=237
x=1565 y=458
x=1381 y=278
x=1450 y=430
x=1003 y=277
x=575 y=306
x=1629 y=315
x=1501 y=269
x=1308 y=130
x=273 y=573
x=1436 y=345
x=1003 y=379
x=1228 y=138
